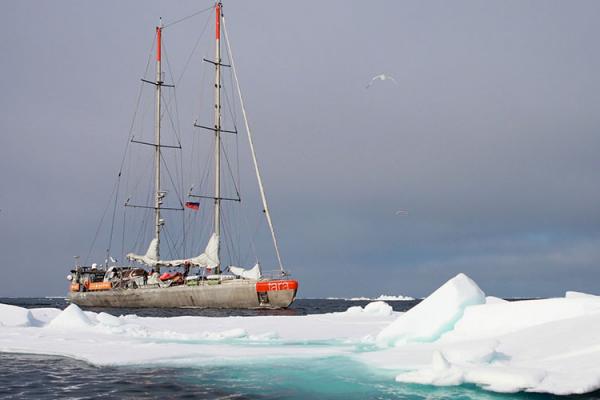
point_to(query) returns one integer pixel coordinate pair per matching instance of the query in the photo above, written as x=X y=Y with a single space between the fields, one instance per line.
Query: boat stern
x=278 y=293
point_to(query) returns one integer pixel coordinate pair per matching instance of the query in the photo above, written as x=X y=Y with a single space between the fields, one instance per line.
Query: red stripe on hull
x=276 y=285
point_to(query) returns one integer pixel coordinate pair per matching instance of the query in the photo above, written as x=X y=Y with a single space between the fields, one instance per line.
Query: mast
x=217 y=222
x=159 y=195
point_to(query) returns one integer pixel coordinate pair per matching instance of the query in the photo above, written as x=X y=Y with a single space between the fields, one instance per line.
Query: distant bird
x=382 y=77
x=402 y=213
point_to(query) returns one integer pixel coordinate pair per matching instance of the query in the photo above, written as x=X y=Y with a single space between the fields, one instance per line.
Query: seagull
x=382 y=77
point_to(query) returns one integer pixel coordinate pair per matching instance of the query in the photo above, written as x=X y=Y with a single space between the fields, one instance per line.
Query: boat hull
x=232 y=294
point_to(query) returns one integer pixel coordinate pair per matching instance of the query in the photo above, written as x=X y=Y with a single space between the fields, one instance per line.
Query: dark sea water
x=26 y=376
x=299 y=307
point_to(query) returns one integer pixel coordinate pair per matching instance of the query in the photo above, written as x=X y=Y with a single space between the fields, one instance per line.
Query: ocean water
x=299 y=307
x=26 y=376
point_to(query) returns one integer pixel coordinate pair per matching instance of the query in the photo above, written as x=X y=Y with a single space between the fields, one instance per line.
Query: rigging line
x=227 y=234
x=228 y=238
x=252 y=245
x=249 y=133
x=197 y=239
x=177 y=245
x=188 y=17
x=230 y=171
x=200 y=234
x=237 y=160
x=185 y=228
x=177 y=130
x=179 y=197
x=112 y=224
x=166 y=109
x=131 y=127
x=123 y=234
x=233 y=109
x=170 y=243
x=137 y=107
x=208 y=19
x=206 y=169
x=139 y=181
x=229 y=106
x=130 y=136
x=237 y=156
x=168 y=112
x=196 y=138
x=144 y=223
x=99 y=225
x=237 y=232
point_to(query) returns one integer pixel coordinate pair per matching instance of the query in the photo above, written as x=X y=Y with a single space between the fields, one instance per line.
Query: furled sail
x=208 y=259
x=150 y=258
x=252 y=274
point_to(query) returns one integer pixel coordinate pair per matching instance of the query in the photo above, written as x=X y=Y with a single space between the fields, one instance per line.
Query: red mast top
x=218 y=23
x=158 y=42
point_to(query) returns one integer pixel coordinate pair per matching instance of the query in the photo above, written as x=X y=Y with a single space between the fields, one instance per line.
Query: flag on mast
x=192 y=205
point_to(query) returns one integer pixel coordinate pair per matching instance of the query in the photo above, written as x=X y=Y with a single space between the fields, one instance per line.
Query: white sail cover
x=208 y=259
x=253 y=273
x=150 y=258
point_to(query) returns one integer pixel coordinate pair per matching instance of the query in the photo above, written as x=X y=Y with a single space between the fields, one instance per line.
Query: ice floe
x=15 y=316
x=455 y=336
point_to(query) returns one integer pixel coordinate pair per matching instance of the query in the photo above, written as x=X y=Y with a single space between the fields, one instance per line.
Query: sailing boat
x=130 y=286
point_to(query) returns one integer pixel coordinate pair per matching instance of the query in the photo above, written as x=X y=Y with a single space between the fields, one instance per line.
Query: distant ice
x=457 y=335
x=379 y=308
x=383 y=297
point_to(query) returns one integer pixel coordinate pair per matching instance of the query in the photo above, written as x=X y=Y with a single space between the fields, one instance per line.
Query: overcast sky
x=489 y=140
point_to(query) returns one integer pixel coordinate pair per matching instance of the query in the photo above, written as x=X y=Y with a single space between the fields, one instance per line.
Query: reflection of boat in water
x=199 y=281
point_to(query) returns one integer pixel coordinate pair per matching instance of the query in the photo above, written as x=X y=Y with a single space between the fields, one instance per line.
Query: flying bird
x=382 y=77
x=402 y=213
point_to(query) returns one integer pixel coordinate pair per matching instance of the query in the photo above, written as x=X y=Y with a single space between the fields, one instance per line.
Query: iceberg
x=435 y=315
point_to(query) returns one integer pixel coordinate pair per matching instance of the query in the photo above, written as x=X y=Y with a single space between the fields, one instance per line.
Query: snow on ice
x=456 y=335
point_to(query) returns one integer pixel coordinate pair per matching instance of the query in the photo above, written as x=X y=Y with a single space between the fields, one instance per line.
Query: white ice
x=383 y=297
x=456 y=335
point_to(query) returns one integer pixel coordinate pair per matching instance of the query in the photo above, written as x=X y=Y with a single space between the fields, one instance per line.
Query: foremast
x=152 y=256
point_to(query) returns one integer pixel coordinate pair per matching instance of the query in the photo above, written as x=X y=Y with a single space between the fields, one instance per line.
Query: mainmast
x=159 y=195
x=217 y=62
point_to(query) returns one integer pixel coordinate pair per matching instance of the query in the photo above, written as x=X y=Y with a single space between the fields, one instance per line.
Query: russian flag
x=192 y=205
